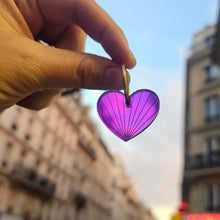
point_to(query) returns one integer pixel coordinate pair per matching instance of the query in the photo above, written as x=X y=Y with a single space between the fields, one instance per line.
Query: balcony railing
x=212 y=208
x=209 y=119
x=201 y=161
x=30 y=180
x=200 y=47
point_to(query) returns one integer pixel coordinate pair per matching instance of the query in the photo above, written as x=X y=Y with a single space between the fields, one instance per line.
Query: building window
x=211 y=73
x=212 y=108
x=14 y=126
x=213 y=197
x=212 y=152
x=27 y=137
x=209 y=41
x=10 y=209
x=38 y=163
x=23 y=153
x=7 y=153
x=49 y=169
x=4 y=163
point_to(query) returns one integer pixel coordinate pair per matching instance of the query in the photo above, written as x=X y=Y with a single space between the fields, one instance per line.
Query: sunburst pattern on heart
x=128 y=121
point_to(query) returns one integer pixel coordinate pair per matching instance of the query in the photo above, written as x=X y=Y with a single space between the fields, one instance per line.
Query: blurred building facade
x=54 y=166
x=201 y=178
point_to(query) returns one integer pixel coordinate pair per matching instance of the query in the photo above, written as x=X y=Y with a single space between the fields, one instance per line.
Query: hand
x=32 y=73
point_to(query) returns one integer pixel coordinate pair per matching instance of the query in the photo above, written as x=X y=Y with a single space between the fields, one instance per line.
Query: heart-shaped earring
x=128 y=115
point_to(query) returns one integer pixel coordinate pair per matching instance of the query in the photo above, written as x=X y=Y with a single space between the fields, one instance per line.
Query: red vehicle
x=205 y=216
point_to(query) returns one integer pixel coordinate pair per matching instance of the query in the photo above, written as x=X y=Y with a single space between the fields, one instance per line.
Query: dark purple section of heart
x=128 y=122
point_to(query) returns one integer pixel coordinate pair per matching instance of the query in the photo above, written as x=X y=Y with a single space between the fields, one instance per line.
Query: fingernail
x=113 y=78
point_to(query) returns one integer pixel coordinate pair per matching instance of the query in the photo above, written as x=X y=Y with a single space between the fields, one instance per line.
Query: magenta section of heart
x=128 y=121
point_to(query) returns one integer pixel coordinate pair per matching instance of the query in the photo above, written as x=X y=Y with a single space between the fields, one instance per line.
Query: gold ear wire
x=126 y=85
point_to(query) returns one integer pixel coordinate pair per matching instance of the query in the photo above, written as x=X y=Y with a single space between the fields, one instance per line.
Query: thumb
x=56 y=68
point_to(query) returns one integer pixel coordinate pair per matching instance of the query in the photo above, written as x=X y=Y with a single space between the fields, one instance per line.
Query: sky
x=159 y=34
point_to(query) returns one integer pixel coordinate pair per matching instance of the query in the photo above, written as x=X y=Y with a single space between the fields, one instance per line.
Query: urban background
x=57 y=164
x=201 y=179
x=54 y=166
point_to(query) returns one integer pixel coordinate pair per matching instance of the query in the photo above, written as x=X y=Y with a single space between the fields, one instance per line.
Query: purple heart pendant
x=128 y=121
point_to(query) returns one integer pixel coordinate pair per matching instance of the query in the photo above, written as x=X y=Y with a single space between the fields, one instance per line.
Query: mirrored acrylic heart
x=128 y=121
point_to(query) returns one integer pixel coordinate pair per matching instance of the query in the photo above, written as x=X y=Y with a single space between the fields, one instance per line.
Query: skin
x=32 y=73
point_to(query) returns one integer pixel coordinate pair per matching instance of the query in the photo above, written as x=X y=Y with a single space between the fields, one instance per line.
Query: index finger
x=101 y=27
